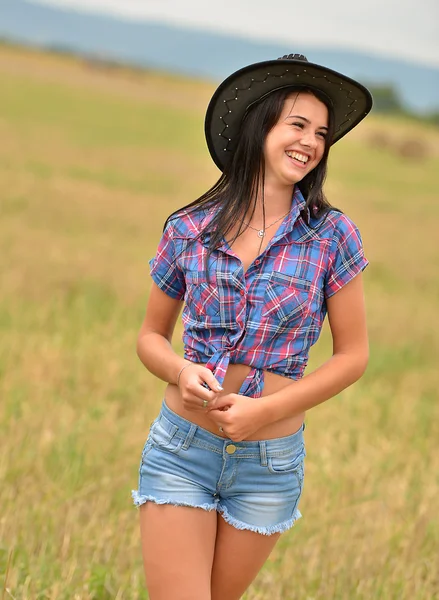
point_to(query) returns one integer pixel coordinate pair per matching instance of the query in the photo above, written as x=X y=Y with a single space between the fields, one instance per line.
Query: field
x=92 y=160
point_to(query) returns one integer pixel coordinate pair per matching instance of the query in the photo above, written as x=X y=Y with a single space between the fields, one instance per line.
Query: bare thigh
x=178 y=544
x=239 y=556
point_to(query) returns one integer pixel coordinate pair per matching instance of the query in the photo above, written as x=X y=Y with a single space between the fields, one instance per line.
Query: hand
x=198 y=385
x=239 y=416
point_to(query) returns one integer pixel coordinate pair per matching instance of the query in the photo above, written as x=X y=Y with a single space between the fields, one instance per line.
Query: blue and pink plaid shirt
x=270 y=316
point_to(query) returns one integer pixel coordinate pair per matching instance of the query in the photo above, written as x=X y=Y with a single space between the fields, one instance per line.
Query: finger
x=204 y=394
x=212 y=383
x=197 y=389
x=220 y=417
x=222 y=402
x=196 y=404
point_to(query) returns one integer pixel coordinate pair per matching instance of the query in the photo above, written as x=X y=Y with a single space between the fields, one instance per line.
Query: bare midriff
x=235 y=375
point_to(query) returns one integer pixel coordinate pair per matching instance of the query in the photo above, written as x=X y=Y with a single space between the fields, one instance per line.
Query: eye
x=322 y=134
x=298 y=124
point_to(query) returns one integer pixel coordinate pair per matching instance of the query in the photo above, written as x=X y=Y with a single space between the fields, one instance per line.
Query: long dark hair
x=236 y=190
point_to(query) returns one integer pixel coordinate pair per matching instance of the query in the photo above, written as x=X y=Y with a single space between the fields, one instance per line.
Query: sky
x=407 y=29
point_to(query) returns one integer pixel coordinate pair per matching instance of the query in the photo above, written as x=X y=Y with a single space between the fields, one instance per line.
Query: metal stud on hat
x=350 y=100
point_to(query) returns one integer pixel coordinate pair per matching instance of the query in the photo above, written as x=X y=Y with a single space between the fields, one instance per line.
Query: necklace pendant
x=261 y=233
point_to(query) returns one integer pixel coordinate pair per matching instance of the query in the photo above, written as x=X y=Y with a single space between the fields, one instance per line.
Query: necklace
x=261 y=232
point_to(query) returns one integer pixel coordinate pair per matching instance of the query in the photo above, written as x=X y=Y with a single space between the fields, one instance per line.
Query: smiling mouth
x=301 y=158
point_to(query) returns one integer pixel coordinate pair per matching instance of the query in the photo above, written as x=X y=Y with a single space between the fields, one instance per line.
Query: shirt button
x=242 y=292
x=257 y=261
x=231 y=449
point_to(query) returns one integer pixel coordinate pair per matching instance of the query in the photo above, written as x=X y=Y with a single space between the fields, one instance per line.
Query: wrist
x=182 y=367
x=265 y=414
x=272 y=408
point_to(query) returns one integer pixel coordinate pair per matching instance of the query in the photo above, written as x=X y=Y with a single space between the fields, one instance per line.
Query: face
x=296 y=144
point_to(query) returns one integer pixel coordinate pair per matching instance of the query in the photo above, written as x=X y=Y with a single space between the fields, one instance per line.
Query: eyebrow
x=307 y=120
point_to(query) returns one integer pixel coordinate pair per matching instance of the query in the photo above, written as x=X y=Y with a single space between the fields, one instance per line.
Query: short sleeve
x=164 y=269
x=346 y=256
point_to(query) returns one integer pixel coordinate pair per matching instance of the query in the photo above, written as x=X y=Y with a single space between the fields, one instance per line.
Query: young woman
x=258 y=261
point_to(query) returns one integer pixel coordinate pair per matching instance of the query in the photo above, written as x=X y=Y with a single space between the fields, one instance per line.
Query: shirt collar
x=297 y=205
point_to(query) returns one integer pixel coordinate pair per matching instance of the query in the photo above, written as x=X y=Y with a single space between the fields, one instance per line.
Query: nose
x=309 y=139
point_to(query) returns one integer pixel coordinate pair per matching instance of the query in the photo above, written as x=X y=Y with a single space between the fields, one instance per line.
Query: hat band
x=292 y=85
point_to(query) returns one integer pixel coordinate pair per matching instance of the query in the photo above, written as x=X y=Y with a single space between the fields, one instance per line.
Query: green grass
x=91 y=164
x=92 y=119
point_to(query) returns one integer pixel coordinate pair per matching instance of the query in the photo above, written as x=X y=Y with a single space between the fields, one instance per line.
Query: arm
x=154 y=348
x=155 y=336
x=347 y=319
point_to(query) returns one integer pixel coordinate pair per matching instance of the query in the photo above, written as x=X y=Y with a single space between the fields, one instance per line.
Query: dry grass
x=90 y=165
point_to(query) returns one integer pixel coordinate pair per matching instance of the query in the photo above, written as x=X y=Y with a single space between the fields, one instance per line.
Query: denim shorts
x=255 y=485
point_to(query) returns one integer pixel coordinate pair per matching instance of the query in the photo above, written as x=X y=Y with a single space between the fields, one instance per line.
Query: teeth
x=302 y=157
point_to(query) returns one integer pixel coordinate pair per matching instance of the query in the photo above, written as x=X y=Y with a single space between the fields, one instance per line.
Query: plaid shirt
x=270 y=316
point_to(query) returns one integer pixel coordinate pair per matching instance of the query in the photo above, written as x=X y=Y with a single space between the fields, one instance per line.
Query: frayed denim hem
x=279 y=528
x=139 y=499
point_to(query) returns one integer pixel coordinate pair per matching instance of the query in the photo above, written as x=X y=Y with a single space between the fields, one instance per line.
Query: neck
x=276 y=202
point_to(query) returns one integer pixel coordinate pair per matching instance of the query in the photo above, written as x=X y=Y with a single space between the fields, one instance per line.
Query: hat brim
x=351 y=100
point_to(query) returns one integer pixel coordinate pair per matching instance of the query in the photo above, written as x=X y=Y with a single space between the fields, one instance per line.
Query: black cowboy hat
x=350 y=100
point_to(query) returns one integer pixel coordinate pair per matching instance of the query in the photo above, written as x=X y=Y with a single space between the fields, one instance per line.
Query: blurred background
x=101 y=121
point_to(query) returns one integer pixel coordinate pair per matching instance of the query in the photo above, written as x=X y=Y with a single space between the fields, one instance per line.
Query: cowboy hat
x=351 y=101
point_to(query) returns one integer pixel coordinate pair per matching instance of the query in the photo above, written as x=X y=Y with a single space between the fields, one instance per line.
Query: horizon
x=397 y=23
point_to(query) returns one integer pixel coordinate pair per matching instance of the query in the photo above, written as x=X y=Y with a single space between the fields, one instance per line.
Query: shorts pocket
x=164 y=436
x=286 y=297
x=286 y=463
x=146 y=448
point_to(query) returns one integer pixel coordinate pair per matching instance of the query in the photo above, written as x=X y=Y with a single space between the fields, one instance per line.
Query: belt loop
x=189 y=437
x=263 y=449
